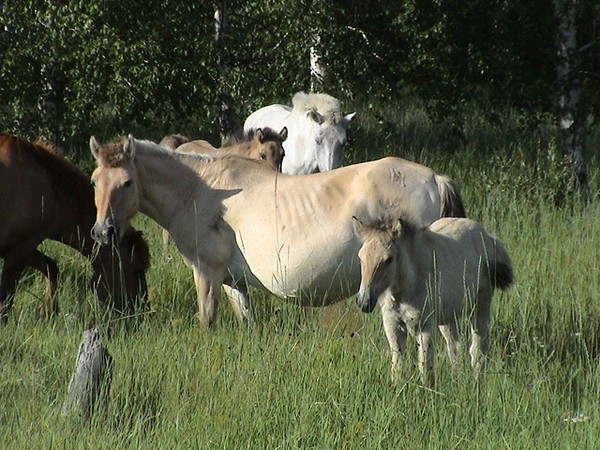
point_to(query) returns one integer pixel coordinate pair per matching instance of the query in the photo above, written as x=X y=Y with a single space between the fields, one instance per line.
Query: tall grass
x=319 y=378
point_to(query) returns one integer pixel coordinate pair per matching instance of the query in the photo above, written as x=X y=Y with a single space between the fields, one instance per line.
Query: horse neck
x=77 y=213
x=165 y=183
x=243 y=148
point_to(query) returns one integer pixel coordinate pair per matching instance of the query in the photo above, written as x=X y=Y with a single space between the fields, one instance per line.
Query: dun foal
x=428 y=277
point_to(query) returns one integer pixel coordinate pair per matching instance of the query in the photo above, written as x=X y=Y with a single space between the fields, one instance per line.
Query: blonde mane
x=325 y=104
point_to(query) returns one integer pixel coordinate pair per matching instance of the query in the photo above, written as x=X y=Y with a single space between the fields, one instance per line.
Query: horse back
x=273 y=116
x=198 y=146
x=471 y=239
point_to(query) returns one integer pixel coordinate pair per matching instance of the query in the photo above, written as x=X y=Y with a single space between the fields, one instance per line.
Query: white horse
x=316 y=131
x=429 y=277
x=238 y=222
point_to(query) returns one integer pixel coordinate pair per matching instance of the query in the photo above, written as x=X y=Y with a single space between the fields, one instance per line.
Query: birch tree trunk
x=317 y=69
x=228 y=122
x=569 y=122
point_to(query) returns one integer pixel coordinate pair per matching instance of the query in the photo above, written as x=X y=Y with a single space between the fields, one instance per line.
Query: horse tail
x=451 y=200
x=500 y=267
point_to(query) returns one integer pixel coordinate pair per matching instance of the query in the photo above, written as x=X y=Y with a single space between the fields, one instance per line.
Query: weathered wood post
x=93 y=372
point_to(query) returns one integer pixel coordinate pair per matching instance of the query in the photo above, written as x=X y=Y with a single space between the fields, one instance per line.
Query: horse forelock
x=325 y=104
x=388 y=224
x=112 y=154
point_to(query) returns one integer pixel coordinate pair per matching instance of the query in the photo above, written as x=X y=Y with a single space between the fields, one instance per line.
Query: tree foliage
x=71 y=68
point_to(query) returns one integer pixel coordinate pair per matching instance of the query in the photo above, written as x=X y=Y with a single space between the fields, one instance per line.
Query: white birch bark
x=571 y=130
x=317 y=69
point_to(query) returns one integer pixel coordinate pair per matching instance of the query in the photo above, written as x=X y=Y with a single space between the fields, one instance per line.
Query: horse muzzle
x=104 y=233
x=366 y=301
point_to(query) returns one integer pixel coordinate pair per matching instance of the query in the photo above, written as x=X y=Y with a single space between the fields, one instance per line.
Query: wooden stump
x=93 y=373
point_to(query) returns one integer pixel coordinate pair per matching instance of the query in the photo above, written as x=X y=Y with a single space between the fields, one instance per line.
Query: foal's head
x=267 y=146
x=116 y=188
x=378 y=259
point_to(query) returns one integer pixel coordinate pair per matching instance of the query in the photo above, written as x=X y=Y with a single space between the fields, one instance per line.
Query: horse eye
x=128 y=183
x=387 y=261
x=263 y=156
x=93 y=182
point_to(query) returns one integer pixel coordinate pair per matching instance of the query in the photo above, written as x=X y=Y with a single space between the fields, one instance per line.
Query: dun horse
x=239 y=223
x=263 y=143
x=44 y=196
x=429 y=277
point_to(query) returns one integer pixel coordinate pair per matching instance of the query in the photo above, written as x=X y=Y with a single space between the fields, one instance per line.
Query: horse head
x=378 y=257
x=116 y=191
x=329 y=138
x=269 y=146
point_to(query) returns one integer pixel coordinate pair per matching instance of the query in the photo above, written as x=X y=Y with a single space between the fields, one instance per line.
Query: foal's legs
x=395 y=331
x=452 y=338
x=426 y=353
x=208 y=286
x=479 y=331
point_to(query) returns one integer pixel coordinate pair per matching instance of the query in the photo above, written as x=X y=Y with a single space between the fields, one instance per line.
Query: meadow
x=319 y=378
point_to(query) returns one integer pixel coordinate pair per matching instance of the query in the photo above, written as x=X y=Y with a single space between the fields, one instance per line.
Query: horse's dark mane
x=65 y=175
x=269 y=134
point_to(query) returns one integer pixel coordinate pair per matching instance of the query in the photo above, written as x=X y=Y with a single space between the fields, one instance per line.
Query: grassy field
x=319 y=378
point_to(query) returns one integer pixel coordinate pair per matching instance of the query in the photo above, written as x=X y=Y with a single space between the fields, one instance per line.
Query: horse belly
x=302 y=275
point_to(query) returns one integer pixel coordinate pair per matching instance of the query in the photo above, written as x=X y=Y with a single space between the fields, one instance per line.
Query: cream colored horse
x=264 y=144
x=239 y=223
x=429 y=277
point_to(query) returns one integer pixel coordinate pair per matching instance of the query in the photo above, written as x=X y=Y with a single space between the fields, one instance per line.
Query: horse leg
x=208 y=286
x=479 y=332
x=49 y=270
x=425 y=343
x=450 y=334
x=395 y=331
x=11 y=273
x=238 y=297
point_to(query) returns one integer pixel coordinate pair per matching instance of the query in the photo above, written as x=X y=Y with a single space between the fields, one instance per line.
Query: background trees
x=73 y=68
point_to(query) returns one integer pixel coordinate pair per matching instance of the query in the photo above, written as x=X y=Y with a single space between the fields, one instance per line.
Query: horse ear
x=129 y=146
x=258 y=134
x=316 y=116
x=348 y=118
x=283 y=134
x=94 y=146
x=358 y=227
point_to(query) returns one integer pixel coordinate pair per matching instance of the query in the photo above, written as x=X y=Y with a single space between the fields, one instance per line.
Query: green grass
x=319 y=378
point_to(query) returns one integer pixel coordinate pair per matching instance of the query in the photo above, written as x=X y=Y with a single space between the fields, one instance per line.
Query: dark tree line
x=73 y=68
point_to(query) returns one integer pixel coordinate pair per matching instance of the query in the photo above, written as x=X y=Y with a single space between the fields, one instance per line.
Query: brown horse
x=44 y=196
x=263 y=143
